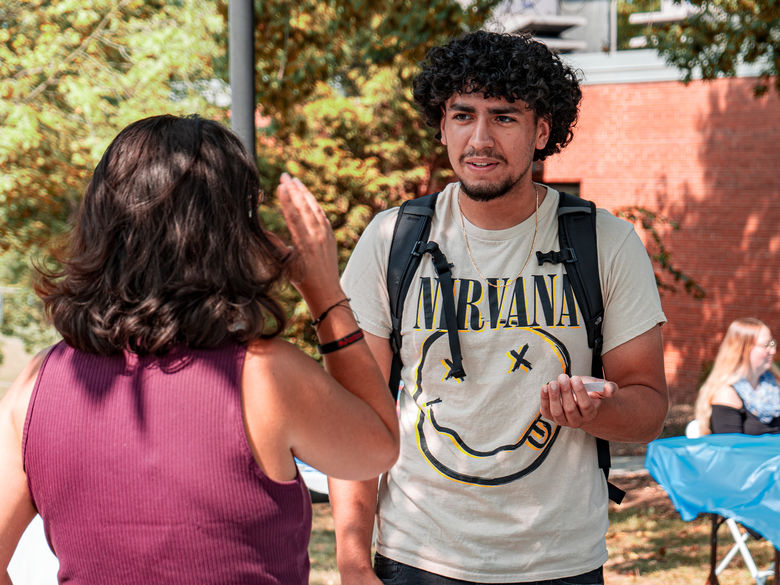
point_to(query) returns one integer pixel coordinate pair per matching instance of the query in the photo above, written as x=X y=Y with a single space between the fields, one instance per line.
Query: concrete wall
x=706 y=155
x=596 y=32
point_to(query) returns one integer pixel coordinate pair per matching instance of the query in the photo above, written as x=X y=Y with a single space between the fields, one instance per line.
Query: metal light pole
x=613 y=37
x=241 y=20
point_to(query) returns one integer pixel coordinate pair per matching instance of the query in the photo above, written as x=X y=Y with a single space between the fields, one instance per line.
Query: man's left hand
x=569 y=402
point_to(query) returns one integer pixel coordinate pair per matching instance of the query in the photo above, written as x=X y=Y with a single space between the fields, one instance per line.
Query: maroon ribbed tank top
x=142 y=472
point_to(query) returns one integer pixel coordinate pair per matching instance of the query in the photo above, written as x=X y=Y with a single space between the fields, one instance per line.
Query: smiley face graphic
x=511 y=441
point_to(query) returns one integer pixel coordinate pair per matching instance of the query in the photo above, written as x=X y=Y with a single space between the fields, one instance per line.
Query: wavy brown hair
x=167 y=248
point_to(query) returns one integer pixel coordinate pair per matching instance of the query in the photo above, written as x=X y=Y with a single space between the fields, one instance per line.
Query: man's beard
x=488 y=192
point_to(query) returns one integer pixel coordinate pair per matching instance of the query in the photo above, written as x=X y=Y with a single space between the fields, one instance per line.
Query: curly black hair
x=513 y=67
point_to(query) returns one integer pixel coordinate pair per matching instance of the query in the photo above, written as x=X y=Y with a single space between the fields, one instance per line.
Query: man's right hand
x=362 y=576
x=354 y=504
x=354 y=507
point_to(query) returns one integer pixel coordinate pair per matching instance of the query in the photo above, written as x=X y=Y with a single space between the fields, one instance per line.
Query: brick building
x=704 y=154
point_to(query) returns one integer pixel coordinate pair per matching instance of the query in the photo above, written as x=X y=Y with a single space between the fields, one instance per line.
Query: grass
x=652 y=547
x=648 y=544
x=322 y=548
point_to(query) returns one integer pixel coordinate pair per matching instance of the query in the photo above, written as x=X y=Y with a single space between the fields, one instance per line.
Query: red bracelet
x=332 y=346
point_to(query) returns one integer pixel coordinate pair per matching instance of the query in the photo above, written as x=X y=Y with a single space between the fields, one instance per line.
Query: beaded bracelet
x=332 y=346
x=324 y=314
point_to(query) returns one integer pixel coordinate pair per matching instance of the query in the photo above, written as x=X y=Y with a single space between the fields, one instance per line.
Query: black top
x=726 y=419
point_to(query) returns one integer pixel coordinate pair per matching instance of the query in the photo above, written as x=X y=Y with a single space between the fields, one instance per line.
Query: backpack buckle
x=567 y=255
x=419 y=249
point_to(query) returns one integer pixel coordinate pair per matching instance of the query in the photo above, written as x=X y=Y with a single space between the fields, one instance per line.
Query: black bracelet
x=332 y=346
x=324 y=314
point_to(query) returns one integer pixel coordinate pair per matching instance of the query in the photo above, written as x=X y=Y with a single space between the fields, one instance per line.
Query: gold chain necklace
x=533 y=241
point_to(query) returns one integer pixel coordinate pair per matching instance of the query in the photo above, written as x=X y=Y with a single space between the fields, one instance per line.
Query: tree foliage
x=334 y=80
x=721 y=35
x=627 y=31
x=72 y=74
x=302 y=44
x=21 y=313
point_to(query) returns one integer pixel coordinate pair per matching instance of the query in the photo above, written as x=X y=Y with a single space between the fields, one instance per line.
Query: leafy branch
x=649 y=221
x=80 y=50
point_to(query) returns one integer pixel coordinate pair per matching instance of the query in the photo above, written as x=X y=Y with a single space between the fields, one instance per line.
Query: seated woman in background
x=741 y=394
x=157 y=441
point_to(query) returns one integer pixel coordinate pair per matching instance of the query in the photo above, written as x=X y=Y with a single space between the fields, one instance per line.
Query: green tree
x=332 y=78
x=302 y=44
x=721 y=35
x=22 y=315
x=341 y=117
x=333 y=81
x=72 y=74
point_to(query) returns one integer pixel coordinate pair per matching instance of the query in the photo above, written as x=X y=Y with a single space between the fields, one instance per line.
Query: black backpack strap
x=410 y=242
x=444 y=272
x=412 y=228
x=579 y=255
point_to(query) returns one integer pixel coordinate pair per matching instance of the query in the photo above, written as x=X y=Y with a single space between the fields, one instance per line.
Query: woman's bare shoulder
x=276 y=353
x=278 y=363
x=727 y=396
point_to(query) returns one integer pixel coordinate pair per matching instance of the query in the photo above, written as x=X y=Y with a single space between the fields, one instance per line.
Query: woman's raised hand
x=315 y=273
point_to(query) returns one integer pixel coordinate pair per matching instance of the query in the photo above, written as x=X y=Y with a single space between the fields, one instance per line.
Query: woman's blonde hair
x=731 y=363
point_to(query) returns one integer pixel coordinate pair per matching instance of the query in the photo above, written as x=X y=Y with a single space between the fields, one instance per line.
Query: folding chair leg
x=712 y=578
x=739 y=540
x=739 y=547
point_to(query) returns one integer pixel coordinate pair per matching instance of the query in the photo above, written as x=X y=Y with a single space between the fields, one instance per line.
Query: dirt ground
x=643 y=492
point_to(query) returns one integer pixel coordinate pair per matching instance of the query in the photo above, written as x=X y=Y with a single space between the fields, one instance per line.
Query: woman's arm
x=727 y=414
x=16 y=507
x=294 y=407
x=342 y=421
x=727 y=419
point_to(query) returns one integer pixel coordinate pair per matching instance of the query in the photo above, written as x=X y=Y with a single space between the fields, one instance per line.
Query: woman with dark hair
x=157 y=440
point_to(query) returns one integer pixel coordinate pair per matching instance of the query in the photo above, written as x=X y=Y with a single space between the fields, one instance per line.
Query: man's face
x=490 y=142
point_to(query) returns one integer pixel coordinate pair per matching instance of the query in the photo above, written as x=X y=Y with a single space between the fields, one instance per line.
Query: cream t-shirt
x=485 y=489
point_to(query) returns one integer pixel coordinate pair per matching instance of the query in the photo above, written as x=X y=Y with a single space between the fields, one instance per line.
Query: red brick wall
x=706 y=155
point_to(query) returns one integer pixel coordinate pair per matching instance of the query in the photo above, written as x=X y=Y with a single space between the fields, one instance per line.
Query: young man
x=498 y=481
